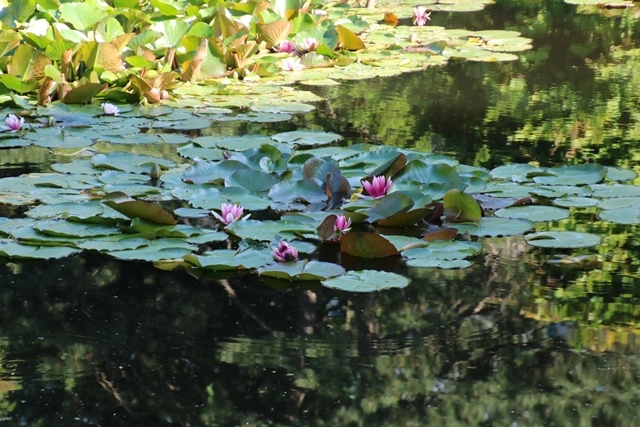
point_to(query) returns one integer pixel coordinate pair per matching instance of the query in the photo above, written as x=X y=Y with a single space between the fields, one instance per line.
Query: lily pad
x=366 y=281
x=494 y=227
x=301 y=270
x=12 y=249
x=307 y=138
x=137 y=208
x=562 y=239
x=227 y=259
x=367 y=245
x=628 y=215
x=266 y=230
x=534 y=213
x=157 y=250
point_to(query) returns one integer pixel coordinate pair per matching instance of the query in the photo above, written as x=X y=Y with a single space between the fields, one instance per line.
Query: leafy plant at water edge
x=130 y=51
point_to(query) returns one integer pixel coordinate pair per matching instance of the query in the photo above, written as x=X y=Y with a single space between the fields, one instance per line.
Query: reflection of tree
x=572 y=96
x=139 y=346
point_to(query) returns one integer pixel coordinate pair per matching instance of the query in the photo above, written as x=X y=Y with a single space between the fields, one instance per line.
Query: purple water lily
x=420 y=16
x=286 y=46
x=378 y=187
x=230 y=213
x=341 y=226
x=307 y=45
x=285 y=252
x=291 y=64
x=13 y=122
x=110 y=109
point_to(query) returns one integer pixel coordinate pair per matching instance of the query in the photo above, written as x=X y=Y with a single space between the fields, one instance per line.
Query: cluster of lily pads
x=129 y=51
x=293 y=205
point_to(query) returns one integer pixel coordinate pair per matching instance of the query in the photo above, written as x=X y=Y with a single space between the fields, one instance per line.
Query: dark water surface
x=511 y=341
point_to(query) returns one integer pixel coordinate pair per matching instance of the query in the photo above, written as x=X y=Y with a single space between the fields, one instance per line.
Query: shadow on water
x=509 y=341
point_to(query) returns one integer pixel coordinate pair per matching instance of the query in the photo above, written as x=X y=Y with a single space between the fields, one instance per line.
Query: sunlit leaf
x=137 y=208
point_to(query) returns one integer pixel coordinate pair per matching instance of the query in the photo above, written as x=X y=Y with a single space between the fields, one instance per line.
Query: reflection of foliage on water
x=572 y=96
x=139 y=346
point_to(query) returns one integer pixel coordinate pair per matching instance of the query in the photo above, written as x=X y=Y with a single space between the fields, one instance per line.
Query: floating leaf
x=227 y=259
x=137 y=208
x=495 y=227
x=297 y=191
x=366 y=281
x=589 y=173
x=303 y=270
x=367 y=245
x=562 y=239
x=11 y=249
x=307 y=138
x=534 y=213
x=461 y=207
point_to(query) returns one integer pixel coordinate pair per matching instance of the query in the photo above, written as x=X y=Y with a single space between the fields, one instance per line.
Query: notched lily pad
x=562 y=239
x=302 y=270
x=366 y=281
x=137 y=208
x=307 y=138
x=228 y=259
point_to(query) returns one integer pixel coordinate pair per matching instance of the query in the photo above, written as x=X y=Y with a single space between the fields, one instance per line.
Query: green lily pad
x=440 y=251
x=295 y=191
x=588 y=173
x=495 y=227
x=64 y=228
x=114 y=243
x=227 y=259
x=302 y=270
x=213 y=198
x=461 y=207
x=307 y=138
x=442 y=264
x=137 y=208
x=203 y=172
x=157 y=250
x=615 y=190
x=628 y=215
x=251 y=180
x=11 y=249
x=266 y=230
x=366 y=281
x=517 y=172
x=575 y=202
x=562 y=239
x=534 y=213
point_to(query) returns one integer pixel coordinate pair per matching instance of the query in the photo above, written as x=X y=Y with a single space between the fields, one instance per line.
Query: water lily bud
x=155 y=171
x=13 y=122
x=153 y=96
x=413 y=38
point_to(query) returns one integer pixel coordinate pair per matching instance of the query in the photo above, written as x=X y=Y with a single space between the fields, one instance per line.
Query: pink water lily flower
x=378 y=187
x=285 y=252
x=110 y=109
x=286 y=46
x=13 y=122
x=420 y=16
x=291 y=64
x=307 y=45
x=230 y=213
x=341 y=226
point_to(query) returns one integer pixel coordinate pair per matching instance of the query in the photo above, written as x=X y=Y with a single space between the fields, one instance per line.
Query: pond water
x=511 y=340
